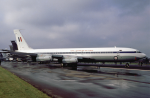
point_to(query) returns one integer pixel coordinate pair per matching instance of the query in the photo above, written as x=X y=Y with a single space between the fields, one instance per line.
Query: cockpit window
x=138 y=52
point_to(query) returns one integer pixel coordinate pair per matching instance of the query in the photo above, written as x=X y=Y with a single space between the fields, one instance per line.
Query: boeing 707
x=75 y=55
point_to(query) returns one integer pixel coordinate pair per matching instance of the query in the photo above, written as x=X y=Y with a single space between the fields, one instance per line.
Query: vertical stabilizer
x=11 y=47
x=15 y=47
x=22 y=45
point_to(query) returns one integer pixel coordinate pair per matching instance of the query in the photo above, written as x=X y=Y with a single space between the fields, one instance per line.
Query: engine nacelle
x=55 y=60
x=43 y=57
x=70 y=60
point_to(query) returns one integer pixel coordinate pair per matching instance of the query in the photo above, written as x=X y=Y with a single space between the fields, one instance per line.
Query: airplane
x=1 y=57
x=5 y=53
x=15 y=57
x=73 y=56
x=5 y=56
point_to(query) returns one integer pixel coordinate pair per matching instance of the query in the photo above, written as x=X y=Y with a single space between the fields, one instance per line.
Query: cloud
x=76 y=23
x=131 y=7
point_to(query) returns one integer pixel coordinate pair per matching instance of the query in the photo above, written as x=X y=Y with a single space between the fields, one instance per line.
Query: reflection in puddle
x=108 y=71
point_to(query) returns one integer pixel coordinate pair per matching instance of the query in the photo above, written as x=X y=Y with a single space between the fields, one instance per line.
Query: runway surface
x=85 y=82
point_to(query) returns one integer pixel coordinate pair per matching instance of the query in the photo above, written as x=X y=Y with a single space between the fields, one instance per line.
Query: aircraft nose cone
x=143 y=55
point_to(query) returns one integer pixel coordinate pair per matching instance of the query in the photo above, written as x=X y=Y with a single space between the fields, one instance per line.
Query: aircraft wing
x=57 y=56
x=23 y=54
x=68 y=56
x=4 y=51
x=70 y=59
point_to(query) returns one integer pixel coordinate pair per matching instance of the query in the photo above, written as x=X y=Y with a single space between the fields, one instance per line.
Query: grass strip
x=13 y=87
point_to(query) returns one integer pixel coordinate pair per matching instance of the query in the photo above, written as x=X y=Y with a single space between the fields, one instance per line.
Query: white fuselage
x=74 y=55
x=98 y=54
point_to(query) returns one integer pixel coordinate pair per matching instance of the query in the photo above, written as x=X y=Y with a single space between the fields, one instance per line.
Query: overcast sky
x=77 y=23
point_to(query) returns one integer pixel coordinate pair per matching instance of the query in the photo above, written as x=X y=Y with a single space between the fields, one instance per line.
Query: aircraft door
x=118 y=53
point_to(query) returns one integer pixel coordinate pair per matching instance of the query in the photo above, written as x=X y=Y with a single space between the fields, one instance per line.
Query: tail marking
x=21 y=43
x=20 y=39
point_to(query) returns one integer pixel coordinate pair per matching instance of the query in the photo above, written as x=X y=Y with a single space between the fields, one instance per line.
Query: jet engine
x=43 y=57
x=70 y=60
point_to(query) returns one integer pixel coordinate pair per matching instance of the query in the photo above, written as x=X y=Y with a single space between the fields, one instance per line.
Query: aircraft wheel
x=127 y=65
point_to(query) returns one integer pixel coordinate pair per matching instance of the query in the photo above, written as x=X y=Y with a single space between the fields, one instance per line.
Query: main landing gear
x=127 y=65
x=73 y=65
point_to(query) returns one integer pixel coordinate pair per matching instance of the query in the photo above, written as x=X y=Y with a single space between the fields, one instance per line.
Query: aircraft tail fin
x=14 y=45
x=22 y=45
x=11 y=47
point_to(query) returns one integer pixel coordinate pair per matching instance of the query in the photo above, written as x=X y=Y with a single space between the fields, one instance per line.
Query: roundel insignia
x=115 y=58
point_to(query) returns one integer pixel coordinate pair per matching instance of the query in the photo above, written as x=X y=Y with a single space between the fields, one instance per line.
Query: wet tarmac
x=85 y=82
